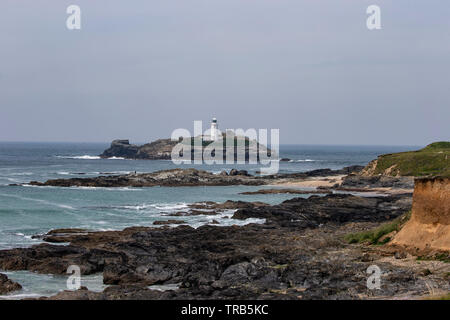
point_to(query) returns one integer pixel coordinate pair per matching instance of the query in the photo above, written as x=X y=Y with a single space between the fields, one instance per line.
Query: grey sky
x=139 y=69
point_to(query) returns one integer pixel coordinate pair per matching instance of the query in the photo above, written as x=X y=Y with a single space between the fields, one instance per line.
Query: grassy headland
x=434 y=159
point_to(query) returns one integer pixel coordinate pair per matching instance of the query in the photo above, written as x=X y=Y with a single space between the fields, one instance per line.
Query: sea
x=27 y=211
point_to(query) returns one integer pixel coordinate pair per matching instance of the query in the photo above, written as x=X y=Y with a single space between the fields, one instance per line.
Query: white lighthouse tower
x=214 y=130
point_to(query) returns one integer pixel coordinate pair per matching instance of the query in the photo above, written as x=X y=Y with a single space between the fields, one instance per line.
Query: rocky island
x=157 y=150
x=161 y=149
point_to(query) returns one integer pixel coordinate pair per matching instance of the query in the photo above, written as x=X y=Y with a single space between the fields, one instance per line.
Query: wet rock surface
x=7 y=286
x=297 y=254
x=209 y=208
x=333 y=208
x=168 y=222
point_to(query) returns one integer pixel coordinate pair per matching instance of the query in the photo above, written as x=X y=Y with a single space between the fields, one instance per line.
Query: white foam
x=34 y=186
x=137 y=207
x=22 y=174
x=115 y=172
x=19 y=296
x=38 y=200
x=83 y=157
x=158 y=206
x=171 y=206
x=165 y=287
x=29 y=237
x=99 y=188
x=64 y=206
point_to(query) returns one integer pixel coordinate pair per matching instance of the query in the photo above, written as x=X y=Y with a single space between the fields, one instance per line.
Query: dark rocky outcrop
x=121 y=148
x=7 y=286
x=213 y=208
x=167 y=222
x=317 y=173
x=169 y=178
x=161 y=149
x=189 y=177
x=157 y=150
x=333 y=208
x=378 y=181
x=234 y=172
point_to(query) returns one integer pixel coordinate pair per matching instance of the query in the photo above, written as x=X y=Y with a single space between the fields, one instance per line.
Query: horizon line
x=286 y=144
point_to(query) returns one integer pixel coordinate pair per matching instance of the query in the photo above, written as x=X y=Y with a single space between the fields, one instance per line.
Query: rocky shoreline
x=298 y=253
x=192 y=177
x=321 y=181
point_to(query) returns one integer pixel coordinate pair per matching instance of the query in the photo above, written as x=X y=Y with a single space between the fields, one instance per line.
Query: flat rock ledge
x=189 y=177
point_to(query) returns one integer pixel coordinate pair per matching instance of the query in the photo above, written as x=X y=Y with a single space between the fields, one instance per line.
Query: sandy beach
x=330 y=181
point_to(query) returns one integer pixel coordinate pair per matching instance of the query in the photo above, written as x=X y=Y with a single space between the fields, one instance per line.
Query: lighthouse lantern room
x=214 y=130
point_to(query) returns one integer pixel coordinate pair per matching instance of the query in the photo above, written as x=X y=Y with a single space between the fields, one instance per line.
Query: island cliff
x=157 y=150
x=161 y=149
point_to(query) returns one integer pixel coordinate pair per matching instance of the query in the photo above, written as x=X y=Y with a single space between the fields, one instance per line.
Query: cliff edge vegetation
x=432 y=160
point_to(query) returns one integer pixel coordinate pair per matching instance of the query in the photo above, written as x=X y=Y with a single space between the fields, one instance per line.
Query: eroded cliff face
x=429 y=226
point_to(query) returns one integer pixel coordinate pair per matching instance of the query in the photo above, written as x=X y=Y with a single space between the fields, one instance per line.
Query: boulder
x=7 y=286
x=165 y=222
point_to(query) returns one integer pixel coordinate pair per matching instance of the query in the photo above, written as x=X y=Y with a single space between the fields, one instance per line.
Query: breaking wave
x=83 y=157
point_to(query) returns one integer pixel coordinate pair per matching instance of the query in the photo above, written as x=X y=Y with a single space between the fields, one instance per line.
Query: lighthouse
x=214 y=130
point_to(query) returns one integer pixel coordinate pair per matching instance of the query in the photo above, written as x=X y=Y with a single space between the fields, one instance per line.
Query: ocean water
x=26 y=211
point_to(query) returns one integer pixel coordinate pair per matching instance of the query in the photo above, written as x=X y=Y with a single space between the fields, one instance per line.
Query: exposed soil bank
x=429 y=226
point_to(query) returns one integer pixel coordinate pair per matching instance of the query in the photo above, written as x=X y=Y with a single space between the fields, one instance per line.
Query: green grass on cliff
x=375 y=236
x=434 y=159
x=443 y=297
x=443 y=257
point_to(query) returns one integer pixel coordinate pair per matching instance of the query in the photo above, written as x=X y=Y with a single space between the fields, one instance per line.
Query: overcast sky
x=140 y=69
